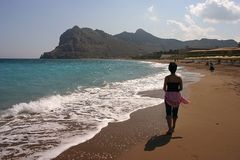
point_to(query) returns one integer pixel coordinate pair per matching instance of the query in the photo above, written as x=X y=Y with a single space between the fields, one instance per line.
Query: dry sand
x=208 y=128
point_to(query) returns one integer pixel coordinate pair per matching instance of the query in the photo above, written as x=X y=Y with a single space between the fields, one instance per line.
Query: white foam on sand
x=45 y=128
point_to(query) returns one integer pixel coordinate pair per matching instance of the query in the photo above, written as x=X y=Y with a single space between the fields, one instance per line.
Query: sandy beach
x=206 y=129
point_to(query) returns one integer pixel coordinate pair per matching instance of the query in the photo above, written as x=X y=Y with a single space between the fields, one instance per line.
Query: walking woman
x=172 y=87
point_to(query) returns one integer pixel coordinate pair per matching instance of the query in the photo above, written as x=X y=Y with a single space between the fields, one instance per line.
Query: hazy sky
x=30 y=27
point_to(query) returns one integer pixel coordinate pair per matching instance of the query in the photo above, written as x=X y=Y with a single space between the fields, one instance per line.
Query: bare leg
x=169 y=122
x=174 y=123
x=175 y=111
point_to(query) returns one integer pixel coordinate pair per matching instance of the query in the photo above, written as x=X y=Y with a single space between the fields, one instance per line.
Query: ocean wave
x=53 y=124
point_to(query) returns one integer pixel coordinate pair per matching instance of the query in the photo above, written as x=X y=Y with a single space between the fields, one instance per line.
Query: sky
x=30 y=27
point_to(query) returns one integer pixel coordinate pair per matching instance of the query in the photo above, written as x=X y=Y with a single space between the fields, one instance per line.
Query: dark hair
x=172 y=67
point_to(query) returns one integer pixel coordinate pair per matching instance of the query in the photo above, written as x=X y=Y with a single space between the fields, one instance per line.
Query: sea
x=47 y=106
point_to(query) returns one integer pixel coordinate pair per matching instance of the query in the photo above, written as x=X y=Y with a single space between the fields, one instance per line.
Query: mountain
x=88 y=43
x=144 y=38
x=211 y=43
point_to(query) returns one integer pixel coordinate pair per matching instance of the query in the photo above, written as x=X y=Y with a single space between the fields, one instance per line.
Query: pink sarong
x=174 y=99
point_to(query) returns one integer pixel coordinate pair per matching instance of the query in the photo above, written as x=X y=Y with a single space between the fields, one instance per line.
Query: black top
x=173 y=87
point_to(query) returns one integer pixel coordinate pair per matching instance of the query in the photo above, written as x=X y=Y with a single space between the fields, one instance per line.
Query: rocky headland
x=88 y=43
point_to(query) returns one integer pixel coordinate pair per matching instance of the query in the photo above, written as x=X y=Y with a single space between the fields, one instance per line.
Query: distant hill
x=211 y=43
x=141 y=37
x=88 y=43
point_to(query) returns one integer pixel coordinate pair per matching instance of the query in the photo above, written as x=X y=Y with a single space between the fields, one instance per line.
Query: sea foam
x=44 y=128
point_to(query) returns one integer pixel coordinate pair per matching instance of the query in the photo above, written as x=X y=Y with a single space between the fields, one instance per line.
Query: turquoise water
x=47 y=106
x=28 y=80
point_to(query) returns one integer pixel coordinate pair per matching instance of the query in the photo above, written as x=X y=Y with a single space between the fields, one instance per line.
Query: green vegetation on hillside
x=158 y=55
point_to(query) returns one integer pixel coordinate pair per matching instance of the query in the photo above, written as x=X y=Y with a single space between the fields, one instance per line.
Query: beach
x=92 y=80
x=207 y=128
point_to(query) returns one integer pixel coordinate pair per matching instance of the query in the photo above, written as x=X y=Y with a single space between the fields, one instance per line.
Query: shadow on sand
x=158 y=141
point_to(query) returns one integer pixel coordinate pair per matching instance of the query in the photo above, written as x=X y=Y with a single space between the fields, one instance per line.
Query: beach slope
x=208 y=128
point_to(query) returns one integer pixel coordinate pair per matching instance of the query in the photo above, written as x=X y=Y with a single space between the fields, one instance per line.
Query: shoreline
x=87 y=150
x=207 y=128
x=209 y=133
x=109 y=143
x=119 y=98
x=134 y=138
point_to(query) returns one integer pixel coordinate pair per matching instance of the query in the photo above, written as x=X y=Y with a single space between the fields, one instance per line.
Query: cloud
x=151 y=14
x=216 y=11
x=237 y=38
x=189 y=20
x=150 y=9
x=190 y=30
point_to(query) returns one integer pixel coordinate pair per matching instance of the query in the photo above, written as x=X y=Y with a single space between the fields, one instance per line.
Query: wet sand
x=206 y=129
x=117 y=138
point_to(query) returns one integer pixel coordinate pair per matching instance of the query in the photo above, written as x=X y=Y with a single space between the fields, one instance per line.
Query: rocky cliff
x=88 y=43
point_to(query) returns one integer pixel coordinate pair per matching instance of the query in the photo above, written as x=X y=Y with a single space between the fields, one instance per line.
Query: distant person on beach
x=172 y=87
x=211 y=67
